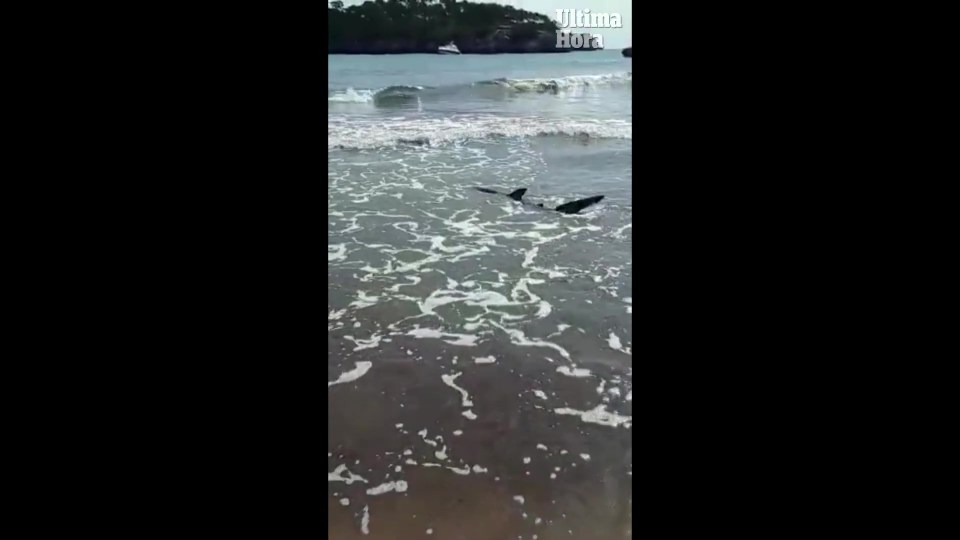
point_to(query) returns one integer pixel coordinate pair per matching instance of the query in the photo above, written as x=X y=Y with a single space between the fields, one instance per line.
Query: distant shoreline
x=474 y=47
x=434 y=53
x=419 y=27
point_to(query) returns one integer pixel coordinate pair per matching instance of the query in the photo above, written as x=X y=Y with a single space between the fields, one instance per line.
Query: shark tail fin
x=518 y=194
x=576 y=206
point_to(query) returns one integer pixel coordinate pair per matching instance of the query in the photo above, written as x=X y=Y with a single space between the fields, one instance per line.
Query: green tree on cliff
x=428 y=22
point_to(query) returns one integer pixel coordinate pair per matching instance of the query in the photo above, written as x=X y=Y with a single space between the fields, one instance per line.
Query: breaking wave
x=348 y=133
x=383 y=95
x=562 y=83
x=401 y=94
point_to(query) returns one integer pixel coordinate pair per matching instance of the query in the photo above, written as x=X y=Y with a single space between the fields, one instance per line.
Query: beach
x=479 y=349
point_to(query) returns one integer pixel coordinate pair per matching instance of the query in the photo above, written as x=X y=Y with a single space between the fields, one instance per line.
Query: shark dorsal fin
x=576 y=206
x=518 y=194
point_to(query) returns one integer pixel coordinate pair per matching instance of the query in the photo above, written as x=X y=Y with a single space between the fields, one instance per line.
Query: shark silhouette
x=567 y=208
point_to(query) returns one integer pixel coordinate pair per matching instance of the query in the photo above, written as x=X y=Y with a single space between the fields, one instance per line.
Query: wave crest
x=388 y=95
x=351 y=96
x=562 y=83
x=401 y=94
x=349 y=133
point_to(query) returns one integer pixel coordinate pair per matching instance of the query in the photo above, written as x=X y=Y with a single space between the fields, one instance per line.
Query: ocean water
x=480 y=350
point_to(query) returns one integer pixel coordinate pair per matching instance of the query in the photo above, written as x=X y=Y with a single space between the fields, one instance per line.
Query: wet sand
x=519 y=469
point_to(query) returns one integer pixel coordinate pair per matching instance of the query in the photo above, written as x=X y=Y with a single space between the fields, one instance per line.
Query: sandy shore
x=478 y=450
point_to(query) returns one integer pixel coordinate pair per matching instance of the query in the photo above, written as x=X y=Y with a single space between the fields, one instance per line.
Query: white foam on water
x=546 y=226
x=518 y=498
x=573 y=372
x=585 y=457
x=399 y=486
x=481 y=298
x=423 y=435
x=354 y=374
x=541 y=446
x=396 y=288
x=568 y=83
x=515 y=249
x=598 y=415
x=352 y=96
x=560 y=328
x=336 y=252
x=592 y=228
x=629 y=396
x=365 y=520
x=363 y=300
x=479 y=470
x=463 y=472
x=614 y=342
x=362 y=344
x=337 y=476
x=469 y=414
x=458 y=433
x=449 y=381
x=530 y=255
x=353 y=133
x=465 y=340
x=345 y=502
x=517 y=337
x=485 y=360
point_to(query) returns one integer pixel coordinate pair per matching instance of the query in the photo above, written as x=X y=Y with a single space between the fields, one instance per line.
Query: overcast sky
x=613 y=38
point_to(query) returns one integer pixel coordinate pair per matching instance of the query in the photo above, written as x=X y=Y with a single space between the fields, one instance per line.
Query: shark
x=571 y=207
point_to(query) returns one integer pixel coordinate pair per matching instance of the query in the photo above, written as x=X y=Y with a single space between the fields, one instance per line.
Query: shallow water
x=480 y=366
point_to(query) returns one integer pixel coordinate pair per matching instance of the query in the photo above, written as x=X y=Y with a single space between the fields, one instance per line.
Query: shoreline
x=515 y=464
x=434 y=53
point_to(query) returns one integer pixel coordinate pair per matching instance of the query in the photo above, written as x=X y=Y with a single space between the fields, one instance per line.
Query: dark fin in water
x=485 y=190
x=518 y=194
x=576 y=206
